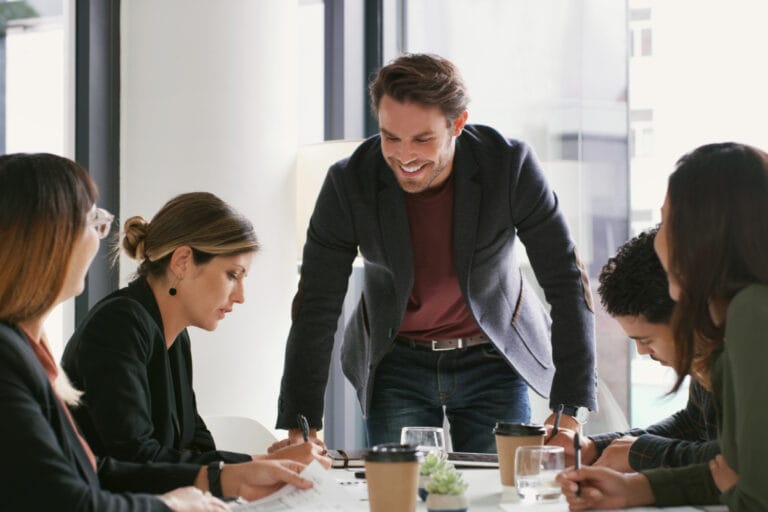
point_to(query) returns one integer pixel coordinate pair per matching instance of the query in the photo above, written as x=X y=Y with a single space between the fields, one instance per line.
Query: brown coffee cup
x=510 y=436
x=392 y=471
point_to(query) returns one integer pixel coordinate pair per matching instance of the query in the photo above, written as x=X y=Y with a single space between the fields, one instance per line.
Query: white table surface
x=484 y=494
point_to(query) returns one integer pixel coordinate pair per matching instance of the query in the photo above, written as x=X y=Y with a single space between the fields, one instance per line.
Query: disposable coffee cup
x=392 y=471
x=509 y=437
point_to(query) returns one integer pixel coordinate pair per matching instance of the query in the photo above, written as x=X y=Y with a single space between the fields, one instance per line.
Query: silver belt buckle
x=459 y=345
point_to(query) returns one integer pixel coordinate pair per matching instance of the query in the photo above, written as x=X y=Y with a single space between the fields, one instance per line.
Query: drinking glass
x=426 y=439
x=535 y=470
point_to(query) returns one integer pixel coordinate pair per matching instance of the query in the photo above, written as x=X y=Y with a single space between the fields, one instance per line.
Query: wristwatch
x=214 y=478
x=579 y=412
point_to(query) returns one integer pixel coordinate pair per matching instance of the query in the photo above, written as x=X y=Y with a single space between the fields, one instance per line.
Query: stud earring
x=172 y=290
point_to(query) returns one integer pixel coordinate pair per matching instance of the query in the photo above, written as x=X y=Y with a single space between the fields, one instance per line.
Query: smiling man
x=445 y=324
x=633 y=289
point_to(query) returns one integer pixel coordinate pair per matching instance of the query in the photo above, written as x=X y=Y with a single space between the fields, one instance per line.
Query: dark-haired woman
x=713 y=243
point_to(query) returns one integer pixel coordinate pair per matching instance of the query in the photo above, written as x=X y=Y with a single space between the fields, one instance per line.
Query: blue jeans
x=476 y=386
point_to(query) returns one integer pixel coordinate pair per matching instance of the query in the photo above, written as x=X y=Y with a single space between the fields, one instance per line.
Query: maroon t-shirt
x=436 y=308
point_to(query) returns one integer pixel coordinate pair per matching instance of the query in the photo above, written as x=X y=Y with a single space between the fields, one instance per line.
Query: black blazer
x=500 y=197
x=45 y=466
x=138 y=404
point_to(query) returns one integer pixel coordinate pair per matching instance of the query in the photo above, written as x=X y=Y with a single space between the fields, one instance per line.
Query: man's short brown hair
x=421 y=78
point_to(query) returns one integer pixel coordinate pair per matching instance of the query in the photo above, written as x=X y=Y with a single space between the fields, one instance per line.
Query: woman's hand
x=192 y=499
x=722 y=474
x=304 y=452
x=295 y=436
x=254 y=480
x=603 y=488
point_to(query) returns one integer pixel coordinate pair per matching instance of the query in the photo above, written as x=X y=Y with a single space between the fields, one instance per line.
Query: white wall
x=209 y=103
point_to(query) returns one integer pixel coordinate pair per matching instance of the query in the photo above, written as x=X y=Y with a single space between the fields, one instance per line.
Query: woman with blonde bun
x=131 y=354
x=50 y=229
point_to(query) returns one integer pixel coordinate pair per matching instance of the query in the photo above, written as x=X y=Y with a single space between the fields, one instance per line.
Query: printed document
x=324 y=496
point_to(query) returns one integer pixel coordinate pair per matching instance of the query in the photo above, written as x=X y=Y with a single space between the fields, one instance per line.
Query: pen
x=304 y=426
x=577 y=458
x=558 y=415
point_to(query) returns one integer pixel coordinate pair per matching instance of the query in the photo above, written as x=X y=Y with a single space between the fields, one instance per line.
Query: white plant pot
x=447 y=502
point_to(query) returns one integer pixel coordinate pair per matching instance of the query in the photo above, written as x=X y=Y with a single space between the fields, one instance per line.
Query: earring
x=172 y=290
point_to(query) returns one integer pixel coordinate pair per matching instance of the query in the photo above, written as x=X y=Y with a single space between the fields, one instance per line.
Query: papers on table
x=325 y=496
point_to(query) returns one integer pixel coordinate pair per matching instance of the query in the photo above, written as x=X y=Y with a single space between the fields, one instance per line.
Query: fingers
x=322 y=457
x=578 y=495
x=564 y=437
x=213 y=504
x=305 y=453
x=279 y=445
x=192 y=499
x=580 y=475
x=288 y=471
x=589 y=499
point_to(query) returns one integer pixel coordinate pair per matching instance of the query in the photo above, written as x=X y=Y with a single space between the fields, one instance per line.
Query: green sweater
x=740 y=391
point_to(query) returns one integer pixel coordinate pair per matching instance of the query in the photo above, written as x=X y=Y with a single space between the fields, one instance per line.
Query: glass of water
x=426 y=439
x=535 y=470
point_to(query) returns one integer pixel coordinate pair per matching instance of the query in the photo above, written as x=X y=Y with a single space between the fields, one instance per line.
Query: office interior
x=252 y=99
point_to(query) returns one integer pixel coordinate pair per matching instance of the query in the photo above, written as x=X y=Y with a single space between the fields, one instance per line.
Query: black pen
x=304 y=426
x=577 y=458
x=558 y=415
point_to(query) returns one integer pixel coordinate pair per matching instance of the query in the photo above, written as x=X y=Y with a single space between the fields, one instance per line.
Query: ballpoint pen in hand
x=577 y=458
x=304 y=426
x=558 y=415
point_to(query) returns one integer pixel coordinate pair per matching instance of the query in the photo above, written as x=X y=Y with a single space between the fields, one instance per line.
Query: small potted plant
x=433 y=462
x=446 y=491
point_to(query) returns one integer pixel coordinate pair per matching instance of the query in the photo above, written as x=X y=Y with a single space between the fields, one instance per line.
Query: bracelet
x=214 y=478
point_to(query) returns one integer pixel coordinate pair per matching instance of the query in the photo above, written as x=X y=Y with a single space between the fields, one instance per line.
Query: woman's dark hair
x=717 y=237
x=44 y=203
x=421 y=78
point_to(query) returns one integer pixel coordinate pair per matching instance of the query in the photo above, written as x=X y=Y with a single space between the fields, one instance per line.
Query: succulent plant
x=432 y=462
x=446 y=480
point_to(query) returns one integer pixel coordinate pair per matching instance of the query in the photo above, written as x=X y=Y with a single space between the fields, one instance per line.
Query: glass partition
x=554 y=74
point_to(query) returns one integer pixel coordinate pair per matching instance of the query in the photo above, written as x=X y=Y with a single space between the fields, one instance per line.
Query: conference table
x=484 y=493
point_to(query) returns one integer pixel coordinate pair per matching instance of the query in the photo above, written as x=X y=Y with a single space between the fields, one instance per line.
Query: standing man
x=634 y=290
x=435 y=207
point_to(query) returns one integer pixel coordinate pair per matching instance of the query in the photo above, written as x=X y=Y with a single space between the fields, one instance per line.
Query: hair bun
x=135 y=232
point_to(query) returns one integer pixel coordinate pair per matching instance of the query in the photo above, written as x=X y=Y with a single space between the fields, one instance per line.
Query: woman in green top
x=713 y=243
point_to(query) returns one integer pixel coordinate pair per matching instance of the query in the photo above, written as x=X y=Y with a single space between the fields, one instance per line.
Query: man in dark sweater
x=633 y=289
x=437 y=208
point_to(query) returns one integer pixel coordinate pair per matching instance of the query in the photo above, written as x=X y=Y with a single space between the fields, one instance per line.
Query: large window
x=36 y=97
x=685 y=91
x=552 y=73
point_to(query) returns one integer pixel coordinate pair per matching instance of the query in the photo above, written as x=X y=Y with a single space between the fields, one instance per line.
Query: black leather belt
x=443 y=345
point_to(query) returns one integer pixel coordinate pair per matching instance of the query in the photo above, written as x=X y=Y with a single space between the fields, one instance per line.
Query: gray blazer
x=500 y=195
